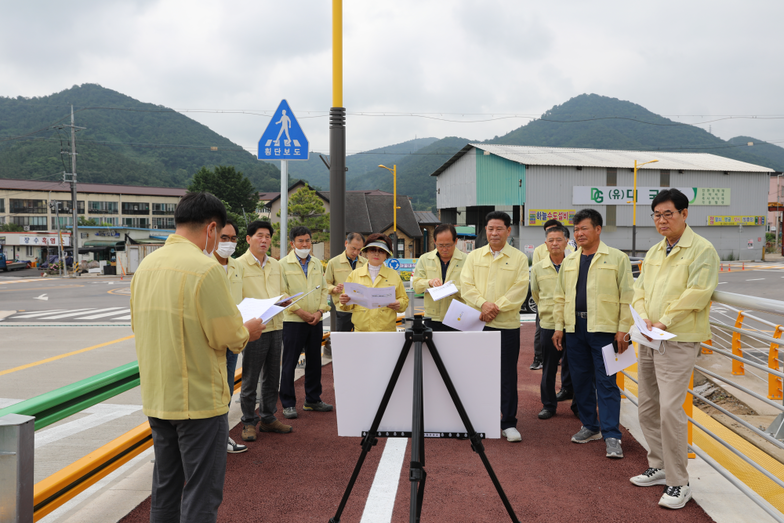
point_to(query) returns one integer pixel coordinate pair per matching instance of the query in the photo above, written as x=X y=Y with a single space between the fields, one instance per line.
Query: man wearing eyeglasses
x=436 y=268
x=673 y=293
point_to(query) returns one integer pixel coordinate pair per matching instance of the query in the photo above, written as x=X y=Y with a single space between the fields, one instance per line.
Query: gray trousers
x=663 y=384
x=190 y=468
x=261 y=358
x=537 y=341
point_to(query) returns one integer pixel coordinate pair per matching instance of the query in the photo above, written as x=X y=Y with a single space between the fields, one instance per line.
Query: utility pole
x=72 y=174
x=337 y=139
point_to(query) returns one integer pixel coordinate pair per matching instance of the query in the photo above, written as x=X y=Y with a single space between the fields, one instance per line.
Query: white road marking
x=98 y=415
x=114 y=311
x=73 y=312
x=38 y=313
x=381 y=499
x=122 y=318
x=756 y=279
x=722 y=282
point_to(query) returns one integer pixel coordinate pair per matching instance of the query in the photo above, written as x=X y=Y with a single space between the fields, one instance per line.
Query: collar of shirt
x=303 y=263
x=257 y=260
x=353 y=262
x=670 y=247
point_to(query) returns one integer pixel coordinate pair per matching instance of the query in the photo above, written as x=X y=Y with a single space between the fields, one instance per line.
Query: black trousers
x=343 y=321
x=510 y=353
x=190 y=468
x=550 y=357
x=300 y=337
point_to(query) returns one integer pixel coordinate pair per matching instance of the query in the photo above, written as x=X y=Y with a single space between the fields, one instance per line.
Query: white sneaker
x=649 y=478
x=675 y=497
x=512 y=435
x=232 y=447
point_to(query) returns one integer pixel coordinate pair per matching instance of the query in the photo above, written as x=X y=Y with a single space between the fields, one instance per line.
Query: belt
x=583 y=315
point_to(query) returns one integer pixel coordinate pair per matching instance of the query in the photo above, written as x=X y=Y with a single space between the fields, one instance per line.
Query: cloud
x=459 y=62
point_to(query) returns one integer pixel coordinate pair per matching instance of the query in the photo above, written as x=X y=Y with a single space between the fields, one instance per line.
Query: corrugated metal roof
x=572 y=157
x=99 y=188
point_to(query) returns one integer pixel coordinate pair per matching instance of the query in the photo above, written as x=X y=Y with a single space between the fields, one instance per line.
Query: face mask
x=226 y=249
x=208 y=254
x=302 y=253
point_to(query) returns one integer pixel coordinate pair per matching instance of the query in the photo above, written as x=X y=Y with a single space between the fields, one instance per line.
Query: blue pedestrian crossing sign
x=283 y=138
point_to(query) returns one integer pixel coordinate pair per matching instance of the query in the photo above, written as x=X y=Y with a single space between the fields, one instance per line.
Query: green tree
x=305 y=209
x=87 y=222
x=11 y=227
x=228 y=184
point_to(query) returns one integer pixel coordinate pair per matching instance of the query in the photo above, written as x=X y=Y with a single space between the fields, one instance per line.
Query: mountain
x=600 y=122
x=125 y=141
x=359 y=165
x=585 y=121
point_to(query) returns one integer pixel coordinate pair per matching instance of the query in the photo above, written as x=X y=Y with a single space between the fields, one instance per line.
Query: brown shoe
x=275 y=426
x=249 y=433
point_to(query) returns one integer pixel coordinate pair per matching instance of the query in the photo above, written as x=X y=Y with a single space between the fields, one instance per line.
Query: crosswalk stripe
x=113 y=312
x=74 y=312
x=38 y=313
x=122 y=318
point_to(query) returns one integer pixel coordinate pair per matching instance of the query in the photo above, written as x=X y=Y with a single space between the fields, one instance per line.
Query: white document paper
x=439 y=293
x=369 y=297
x=654 y=333
x=254 y=308
x=614 y=363
x=462 y=317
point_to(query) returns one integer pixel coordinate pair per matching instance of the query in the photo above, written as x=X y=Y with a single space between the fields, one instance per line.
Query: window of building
x=28 y=207
x=30 y=223
x=66 y=206
x=139 y=223
x=664 y=178
x=163 y=223
x=65 y=222
x=110 y=220
x=135 y=208
x=163 y=208
x=29 y=251
x=102 y=207
x=2 y=204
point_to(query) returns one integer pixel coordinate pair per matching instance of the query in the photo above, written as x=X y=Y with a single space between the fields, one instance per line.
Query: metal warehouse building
x=728 y=198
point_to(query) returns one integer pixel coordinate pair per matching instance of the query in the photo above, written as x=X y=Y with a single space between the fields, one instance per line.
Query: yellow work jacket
x=294 y=278
x=676 y=290
x=384 y=318
x=262 y=283
x=608 y=288
x=184 y=319
x=338 y=269
x=428 y=268
x=233 y=272
x=502 y=280
x=544 y=279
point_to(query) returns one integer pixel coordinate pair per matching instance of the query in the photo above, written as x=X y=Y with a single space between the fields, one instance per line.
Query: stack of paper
x=439 y=293
x=655 y=334
x=463 y=317
x=265 y=309
x=369 y=297
x=614 y=363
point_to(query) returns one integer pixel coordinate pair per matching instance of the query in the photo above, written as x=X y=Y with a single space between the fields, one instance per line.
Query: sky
x=412 y=68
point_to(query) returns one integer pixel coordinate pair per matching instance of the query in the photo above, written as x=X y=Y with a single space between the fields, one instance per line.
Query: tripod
x=416 y=335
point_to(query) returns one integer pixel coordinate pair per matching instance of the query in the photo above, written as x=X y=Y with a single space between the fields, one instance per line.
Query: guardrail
x=751 y=469
x=51 y=407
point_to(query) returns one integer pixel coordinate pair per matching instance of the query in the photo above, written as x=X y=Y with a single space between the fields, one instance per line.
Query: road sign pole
x=284 y=206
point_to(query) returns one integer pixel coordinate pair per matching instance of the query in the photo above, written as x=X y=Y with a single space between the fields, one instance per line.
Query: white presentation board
x=363 y=363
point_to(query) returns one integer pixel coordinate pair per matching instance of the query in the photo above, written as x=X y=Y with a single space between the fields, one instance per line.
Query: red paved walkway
x=301 y=476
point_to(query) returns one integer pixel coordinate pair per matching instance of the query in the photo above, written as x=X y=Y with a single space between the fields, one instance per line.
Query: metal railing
x=748 y=467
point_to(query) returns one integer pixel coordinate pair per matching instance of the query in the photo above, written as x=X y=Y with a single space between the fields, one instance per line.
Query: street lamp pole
x=634 y=207
x=393 y=170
